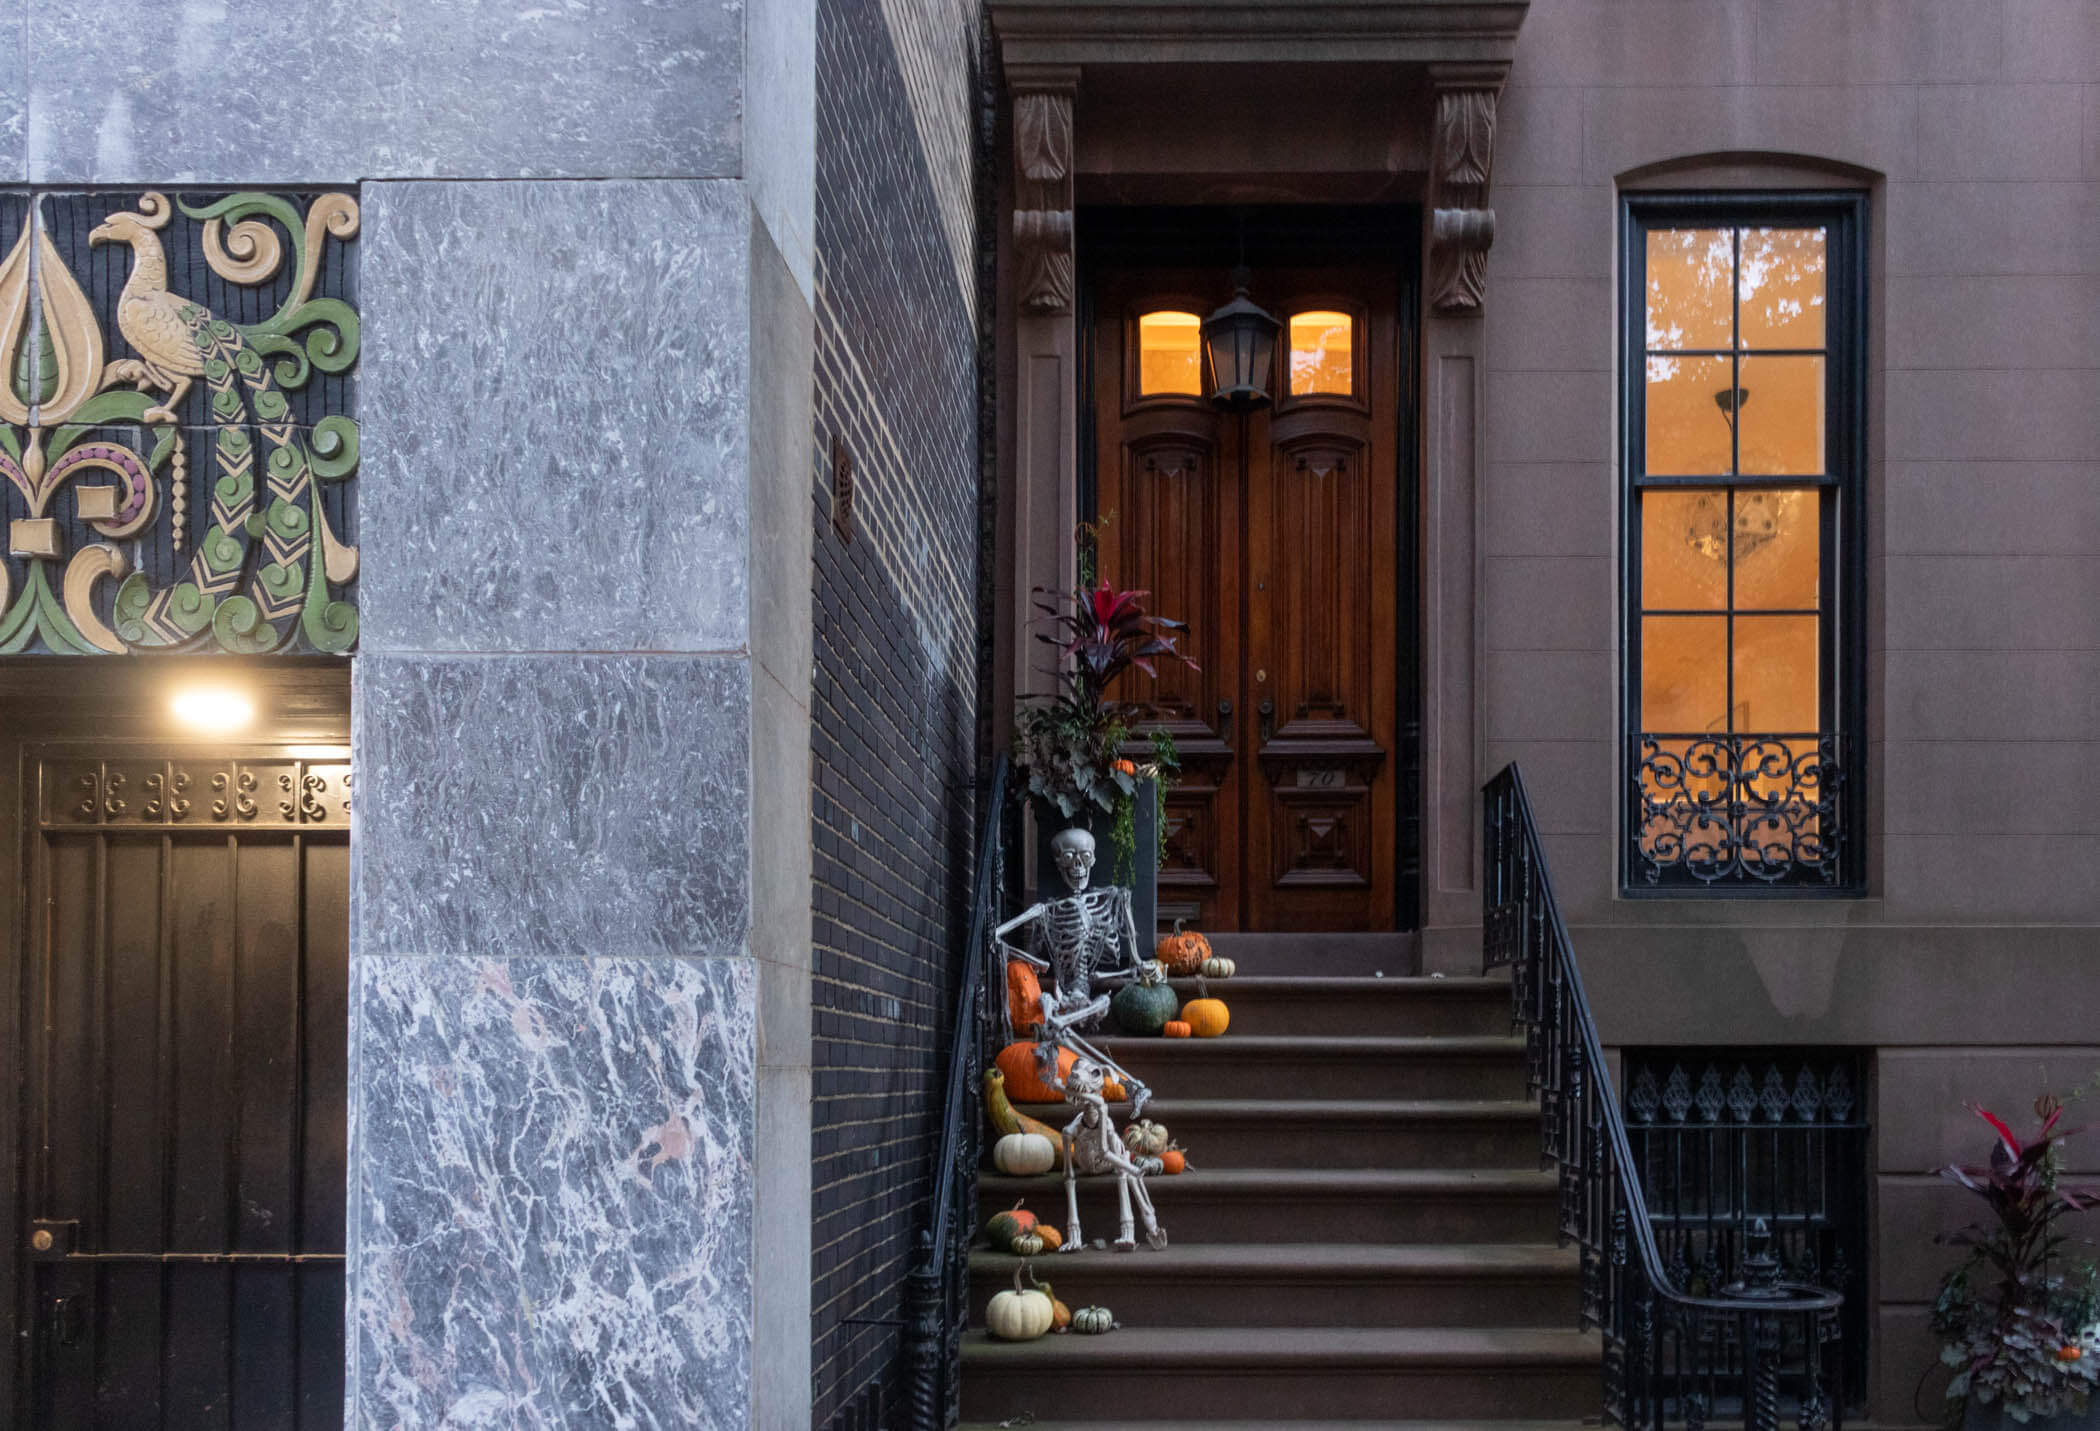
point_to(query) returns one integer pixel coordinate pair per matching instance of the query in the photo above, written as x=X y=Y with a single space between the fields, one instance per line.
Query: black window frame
x=1841 y=754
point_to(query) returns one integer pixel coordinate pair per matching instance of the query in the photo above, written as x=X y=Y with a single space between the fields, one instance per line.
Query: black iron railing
x=938 y=1287
x=1745 y=1352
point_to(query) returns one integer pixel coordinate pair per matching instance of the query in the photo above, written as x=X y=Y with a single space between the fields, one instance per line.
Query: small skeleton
x=1093 y=1147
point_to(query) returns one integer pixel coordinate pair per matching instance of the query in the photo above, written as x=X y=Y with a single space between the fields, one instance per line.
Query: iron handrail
x=1670 y=1356
x=937 y=1287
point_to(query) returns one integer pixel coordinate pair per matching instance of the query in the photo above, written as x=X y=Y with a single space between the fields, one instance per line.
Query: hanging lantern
x=1240 y=342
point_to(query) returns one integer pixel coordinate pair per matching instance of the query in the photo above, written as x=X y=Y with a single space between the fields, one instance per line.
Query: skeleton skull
x=1074 y=852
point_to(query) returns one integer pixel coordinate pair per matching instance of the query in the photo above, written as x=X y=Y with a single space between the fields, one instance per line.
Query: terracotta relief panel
x=178 y=434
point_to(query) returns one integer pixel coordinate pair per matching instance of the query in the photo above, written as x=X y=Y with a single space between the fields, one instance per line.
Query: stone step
x=1337 y=1133
x=1352 y=1066
x=1343 y=1373
x=1294 y=1284
x=1328 y=955
x=1256 y=1205
x=1310 y=1004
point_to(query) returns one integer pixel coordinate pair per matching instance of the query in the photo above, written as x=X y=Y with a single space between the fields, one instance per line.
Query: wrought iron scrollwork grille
x=1737 y=810
x=1671 y=1356
x=937 y=1290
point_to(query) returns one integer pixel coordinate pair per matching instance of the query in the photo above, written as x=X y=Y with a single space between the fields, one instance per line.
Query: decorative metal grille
x=1725 y=1140
x=1743 y=809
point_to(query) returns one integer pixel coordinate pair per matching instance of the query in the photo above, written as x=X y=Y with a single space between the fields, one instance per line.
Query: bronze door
x=184 y=1087
x=1277 y=535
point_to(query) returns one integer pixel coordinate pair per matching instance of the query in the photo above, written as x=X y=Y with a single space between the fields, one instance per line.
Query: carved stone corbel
x=1462 y=159
x=1043 y=185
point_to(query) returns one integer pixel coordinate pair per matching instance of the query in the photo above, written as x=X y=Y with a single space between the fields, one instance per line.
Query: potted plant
x=2019 y=1319
x=1075 y=750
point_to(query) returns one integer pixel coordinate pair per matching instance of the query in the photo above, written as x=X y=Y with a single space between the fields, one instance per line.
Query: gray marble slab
x=555 y=386
x=552 y=1181
x=516 y=805
x=329 y=90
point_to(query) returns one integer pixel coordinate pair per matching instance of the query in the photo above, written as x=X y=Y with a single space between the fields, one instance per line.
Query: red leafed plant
x=1069 y=746
x=2028 y=1336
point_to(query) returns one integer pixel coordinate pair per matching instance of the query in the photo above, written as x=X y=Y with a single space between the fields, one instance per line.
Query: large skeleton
x=1085 y=938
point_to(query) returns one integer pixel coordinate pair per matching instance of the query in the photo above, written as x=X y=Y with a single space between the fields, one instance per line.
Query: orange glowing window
x=1744 y=389
x=1322 y=353
x=1170 y=354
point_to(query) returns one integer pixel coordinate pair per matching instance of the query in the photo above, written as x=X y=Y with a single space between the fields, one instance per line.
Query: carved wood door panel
x=1276 y=535
x=185 y=1087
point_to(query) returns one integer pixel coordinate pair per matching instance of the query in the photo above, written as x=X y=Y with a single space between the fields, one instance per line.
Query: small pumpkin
x=1007 y=1120
x=1175 y=1028
x=1024 y=997
x=1146 y=1136
x=1023 y=1083
x=1207 y=1017
x=1092 y=1321
x=1060 y=1314
x=1217 y=966
x=1021 y=1315
x=1052 y=1238
x=1024 y=1154
x=1144 y=1005
x=1183 y=951
x=1173 y=1161
x=1028 y=1244
x=1006 y=1226
x=1149 y=1167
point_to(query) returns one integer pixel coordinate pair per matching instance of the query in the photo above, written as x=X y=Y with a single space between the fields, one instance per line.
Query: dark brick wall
x=894 y=719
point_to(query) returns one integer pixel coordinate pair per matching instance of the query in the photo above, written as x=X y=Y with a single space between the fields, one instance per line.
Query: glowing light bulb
x=213 y=708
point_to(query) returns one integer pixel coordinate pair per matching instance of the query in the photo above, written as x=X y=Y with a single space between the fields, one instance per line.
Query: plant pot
x=1143 y=887
x=1976 y=1416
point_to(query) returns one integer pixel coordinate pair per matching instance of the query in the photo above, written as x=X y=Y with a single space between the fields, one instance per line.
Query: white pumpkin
x=1219 y=967
x=1021 y=1315
x=1024 y=1154
x=1145 y=1136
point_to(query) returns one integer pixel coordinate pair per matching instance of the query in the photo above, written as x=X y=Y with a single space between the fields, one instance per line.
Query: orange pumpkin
x=1183 y=951
x=1207 y=1017
x=1024 y=996
x=1052 y=1238
x=1175 y=1028
x=1126 y=767
x=1172 y=1161
x=1017 y=1062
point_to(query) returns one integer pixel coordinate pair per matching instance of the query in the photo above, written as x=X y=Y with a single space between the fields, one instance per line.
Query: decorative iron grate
x=1742 y=810
x=1724 y=1139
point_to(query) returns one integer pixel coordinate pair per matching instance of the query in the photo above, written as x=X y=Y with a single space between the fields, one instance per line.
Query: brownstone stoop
x=1364 y=1237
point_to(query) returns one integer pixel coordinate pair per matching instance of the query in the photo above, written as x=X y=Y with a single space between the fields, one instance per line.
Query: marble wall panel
x=165 y=90
x=556 y=432
x=552 y=1189
x=551 y=805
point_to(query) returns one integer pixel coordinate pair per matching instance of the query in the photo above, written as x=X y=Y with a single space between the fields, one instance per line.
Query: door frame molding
x=1153 y=101
x=49 y=702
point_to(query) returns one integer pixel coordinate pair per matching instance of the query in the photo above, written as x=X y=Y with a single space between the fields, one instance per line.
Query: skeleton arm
x=1028 y=915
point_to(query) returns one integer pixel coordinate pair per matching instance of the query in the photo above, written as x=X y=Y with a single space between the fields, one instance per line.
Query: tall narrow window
x=1743 y=378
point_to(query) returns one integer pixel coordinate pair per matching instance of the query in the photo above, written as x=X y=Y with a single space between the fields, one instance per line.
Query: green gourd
x=1093 y=1321
x=1144 y=1005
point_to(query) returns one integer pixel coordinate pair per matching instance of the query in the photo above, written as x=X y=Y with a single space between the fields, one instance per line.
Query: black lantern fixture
x=1240 y=341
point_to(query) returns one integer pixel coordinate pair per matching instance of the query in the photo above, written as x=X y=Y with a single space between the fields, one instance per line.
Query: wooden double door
x=1277 y=534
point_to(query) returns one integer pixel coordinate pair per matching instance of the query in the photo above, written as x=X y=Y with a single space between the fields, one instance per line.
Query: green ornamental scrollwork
x=268 y=571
